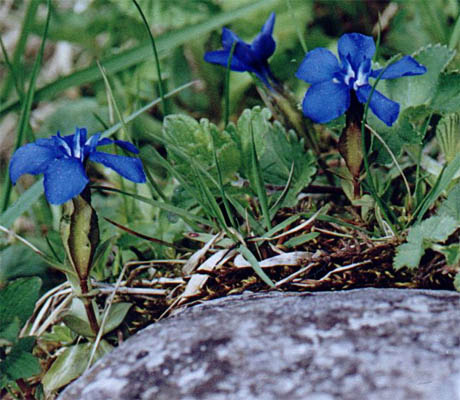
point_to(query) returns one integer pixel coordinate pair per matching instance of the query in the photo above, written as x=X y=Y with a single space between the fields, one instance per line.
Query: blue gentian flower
x=247 y=57
x=329 y=94
x=62 y=160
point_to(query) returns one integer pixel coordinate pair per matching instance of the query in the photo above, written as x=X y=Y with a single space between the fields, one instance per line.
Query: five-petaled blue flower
x=62 y=160
x=247 y=57
x=329 y=94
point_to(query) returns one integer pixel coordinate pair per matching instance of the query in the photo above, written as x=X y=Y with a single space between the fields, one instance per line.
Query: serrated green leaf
x=277 y=150
x=414 y=95
x=18 y=299
x=408 y=255
x=420 y=237
x=412 y=91
x=447 y=96
x=70 y=364
x=195 y=140
x=256 y=121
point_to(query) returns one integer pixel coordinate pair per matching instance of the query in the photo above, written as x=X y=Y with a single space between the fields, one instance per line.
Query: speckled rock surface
x=365 y=344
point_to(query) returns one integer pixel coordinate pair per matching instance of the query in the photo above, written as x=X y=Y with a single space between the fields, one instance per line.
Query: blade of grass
x=419 y=162
x=22 y=204
x=126 y=135
x=12 y=71
x=221 y=185
x=19 y=52
x=281 y=225
x=246 y=253
x=210 y=201
x=135 y=114
x=46 y=257
x=157 y=59
x=164 y=206
x=132 y=57
x=258 y=183
x=227 y=85
x=395 y=161
x=25 y=111
x=297 y=29
x=279 y=201
x=444 y=179
x=455 y=36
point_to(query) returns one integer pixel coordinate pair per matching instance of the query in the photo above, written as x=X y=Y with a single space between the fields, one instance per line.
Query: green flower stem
x=80 y=236
x=350 y=142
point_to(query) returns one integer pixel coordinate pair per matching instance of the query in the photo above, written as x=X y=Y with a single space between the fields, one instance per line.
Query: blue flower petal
x=326 y=101
x=31 y=159
x=356 y=48
x=220 y=57
x=123 y=144
x=387 y=110
x=263 y=46
x=319 y=65
x=406 y=66
x=228 y=37
x=64 y=179
x=128 y=167
x=267 y=28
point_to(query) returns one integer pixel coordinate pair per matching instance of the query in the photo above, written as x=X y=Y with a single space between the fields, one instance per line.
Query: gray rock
x=365 y=344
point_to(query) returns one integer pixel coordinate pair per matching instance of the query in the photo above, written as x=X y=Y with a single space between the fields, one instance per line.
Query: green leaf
x=252 y=122
x=448 y=135
x=77 y=319
x=457 y=282
x=117 y=314
x=71 y=363
x=447 y=95
x=415 y=95
x=18 y=261
x=78 y=325
x=196 y=141
x=412 y=91
x=277 y=151
x=20 y=363
x=59 y=334
x=23 y=204
x=18 y=299
x=451 y=206
x=298 y=240
x=443 y=181
x=451 y=252
x=10 y=332
x=422 y=236
x=246 y=253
